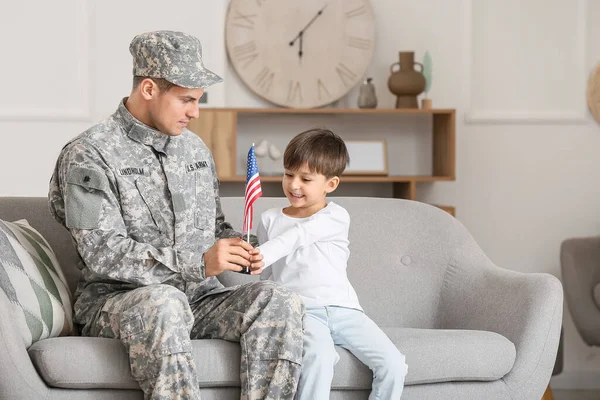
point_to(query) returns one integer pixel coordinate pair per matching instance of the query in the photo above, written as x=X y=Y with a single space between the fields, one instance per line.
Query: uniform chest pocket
x=151 y=203
x=205 y=207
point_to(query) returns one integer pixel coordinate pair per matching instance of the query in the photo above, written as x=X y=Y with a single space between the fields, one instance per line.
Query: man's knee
x=280 y=298
x=276 y=330
x=164 y=301
x=160 y=320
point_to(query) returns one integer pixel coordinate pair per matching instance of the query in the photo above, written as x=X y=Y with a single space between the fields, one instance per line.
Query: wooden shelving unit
x=352 y=178
x=218 y=129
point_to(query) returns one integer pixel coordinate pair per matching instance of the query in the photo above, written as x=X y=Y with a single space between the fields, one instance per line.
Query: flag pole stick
x=247 y=217
x=248 y=227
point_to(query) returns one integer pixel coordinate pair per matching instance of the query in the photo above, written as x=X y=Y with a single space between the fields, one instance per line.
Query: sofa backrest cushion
x=399 y=253
x=36 y=211
x=33 y=281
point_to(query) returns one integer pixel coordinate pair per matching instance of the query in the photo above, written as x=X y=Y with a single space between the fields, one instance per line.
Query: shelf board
x=274 y=110
x=362 y=179
x=449 y=209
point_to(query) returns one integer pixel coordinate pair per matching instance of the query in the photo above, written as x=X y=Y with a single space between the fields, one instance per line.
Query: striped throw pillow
x=34 y=283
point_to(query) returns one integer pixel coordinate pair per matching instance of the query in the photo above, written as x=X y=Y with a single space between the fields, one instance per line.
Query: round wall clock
x=593 y=93
x=300 y=53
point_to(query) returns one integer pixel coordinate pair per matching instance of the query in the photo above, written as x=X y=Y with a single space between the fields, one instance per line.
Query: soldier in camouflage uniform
x=139 y=194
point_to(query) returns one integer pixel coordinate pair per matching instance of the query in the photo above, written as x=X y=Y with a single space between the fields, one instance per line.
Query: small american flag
x=253 y=189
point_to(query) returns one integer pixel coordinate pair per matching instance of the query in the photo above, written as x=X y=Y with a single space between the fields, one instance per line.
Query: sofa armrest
x=18 y=377
x=526 y=308
x=580 y=267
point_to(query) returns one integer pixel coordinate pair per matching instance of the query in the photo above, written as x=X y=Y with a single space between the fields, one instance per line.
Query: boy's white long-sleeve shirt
x=309 y=255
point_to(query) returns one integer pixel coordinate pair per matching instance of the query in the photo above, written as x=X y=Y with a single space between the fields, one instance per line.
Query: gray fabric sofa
x=469 y=329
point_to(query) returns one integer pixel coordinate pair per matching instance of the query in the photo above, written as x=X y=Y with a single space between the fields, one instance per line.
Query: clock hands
x=300 y=34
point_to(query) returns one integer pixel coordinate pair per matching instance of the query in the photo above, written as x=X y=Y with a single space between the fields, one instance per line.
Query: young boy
x=305 y=247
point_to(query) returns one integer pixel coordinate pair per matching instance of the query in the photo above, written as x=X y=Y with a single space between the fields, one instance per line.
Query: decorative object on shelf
x=427 y=73
x=367 y=157
x=327 y=54
x=262 y=149
x=268 y=153
x=593 y=93
x=203 y=101
x=366 y=96
x=265 y=148
x=406 y=83
x=274 y=152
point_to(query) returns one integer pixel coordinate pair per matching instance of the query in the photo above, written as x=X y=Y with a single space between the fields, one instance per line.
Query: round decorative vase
x=366 y=96
x=406 y=82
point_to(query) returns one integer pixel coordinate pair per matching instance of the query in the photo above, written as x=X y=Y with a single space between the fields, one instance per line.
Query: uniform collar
x=141 y=132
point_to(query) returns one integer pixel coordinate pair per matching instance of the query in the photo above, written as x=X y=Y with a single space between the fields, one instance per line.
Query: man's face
x=172 y=110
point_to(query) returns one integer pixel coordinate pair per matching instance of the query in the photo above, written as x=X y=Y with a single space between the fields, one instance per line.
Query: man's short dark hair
x=163 y=84
x=323 y=151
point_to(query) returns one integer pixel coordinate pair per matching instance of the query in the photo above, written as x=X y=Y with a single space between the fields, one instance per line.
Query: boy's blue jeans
x=351 y=329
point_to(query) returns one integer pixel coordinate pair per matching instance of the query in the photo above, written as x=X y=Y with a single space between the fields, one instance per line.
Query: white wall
x=526 y=177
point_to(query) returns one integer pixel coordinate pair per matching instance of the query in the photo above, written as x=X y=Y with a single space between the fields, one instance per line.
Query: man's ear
x=332 y=184
x=148 y=89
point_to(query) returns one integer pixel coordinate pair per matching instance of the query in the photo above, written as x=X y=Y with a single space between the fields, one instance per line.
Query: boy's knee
x=317 y=354
x=395 y=366
x=400 y=366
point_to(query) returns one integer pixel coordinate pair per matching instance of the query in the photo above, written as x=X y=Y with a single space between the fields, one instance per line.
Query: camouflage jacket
x=141 y=206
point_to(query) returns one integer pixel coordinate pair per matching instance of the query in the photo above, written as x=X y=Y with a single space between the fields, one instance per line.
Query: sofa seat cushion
x=436 y=355
x=431 y=355
x=95 y=363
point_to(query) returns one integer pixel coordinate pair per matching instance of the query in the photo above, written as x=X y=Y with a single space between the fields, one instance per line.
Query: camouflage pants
x=155 y=324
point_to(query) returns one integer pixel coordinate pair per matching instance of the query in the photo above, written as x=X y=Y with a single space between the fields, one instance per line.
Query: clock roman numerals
x=309 y=68
x=356 y=12
x=322 y=90
x=345 y=74
x=294 y=92
x=246 y=52
x=264 y=79
x=359 y=43
x=243 y=20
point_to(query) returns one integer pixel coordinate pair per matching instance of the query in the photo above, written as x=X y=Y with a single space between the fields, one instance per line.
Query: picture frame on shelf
x=367 y=157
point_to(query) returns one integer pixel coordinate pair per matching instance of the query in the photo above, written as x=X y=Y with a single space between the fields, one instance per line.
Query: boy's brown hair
x=323 y=151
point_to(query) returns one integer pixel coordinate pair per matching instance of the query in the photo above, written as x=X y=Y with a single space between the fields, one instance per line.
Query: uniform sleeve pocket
x=83 y=200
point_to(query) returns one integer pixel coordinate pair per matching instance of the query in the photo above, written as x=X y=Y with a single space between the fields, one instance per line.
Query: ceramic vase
x=366 y=96
x=406 y=82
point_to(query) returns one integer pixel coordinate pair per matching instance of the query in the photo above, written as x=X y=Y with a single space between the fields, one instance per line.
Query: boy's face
x=307 y=190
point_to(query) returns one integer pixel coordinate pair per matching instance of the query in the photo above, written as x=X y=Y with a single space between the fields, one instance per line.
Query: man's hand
x=232 y=254
x=229 y=254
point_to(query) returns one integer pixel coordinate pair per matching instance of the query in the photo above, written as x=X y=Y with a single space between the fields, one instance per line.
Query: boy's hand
x=256 y=261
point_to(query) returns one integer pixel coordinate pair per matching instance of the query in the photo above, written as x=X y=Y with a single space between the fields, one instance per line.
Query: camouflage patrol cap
x=174 y=56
